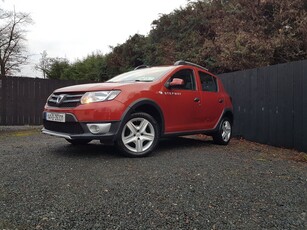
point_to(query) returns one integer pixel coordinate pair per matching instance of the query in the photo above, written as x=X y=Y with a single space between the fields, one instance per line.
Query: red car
x=134 y=109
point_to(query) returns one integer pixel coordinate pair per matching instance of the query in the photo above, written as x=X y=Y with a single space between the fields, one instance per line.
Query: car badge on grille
x=60 y=99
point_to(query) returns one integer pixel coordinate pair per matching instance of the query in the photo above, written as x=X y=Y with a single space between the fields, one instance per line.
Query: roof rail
x=182 y=62
x=141 y=67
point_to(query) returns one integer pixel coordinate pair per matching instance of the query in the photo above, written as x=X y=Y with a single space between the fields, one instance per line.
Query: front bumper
x=73 y=129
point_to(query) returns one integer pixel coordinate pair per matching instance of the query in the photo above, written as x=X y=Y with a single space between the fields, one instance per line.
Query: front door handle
x=196 y=99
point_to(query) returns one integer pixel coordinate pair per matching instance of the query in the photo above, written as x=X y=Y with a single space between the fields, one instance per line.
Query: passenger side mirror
x=174 y=82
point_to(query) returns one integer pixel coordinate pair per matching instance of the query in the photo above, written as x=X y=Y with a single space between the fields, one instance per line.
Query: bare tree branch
x=12 y=38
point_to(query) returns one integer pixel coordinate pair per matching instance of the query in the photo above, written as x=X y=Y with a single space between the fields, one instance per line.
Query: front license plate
x=57 y=117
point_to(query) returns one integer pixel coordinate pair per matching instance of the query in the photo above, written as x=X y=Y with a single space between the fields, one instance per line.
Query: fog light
x=94 y=129
x=99 y=128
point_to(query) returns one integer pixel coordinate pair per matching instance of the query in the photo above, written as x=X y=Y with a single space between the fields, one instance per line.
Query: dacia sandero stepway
x=134 y=109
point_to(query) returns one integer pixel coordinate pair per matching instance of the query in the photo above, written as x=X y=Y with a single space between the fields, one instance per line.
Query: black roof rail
x=182 y=62
x=141 y=67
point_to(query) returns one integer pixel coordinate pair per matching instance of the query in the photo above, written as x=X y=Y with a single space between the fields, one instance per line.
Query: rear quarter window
x=208 y=82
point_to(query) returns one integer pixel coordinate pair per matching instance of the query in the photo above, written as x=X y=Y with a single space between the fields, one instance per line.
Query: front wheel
x=138 y=136
x=223 y=135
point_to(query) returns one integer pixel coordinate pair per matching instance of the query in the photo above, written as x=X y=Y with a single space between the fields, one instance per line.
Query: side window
x=208 y=82
x=187 y=75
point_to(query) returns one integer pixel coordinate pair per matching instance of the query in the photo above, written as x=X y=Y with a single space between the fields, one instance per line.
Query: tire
x=78 y=141
x=223 y=135
x=138 y=136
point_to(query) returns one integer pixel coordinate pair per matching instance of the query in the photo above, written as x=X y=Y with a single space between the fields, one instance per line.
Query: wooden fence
x=22 y=99
x=270 y=104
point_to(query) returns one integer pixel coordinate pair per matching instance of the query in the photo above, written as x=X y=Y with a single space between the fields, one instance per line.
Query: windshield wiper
x=142 y=80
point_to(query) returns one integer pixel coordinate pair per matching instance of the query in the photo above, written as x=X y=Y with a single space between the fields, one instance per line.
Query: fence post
x=3 y=93
x=1 y=100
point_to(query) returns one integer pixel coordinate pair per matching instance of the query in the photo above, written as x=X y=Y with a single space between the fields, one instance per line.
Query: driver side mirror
x=174 y=82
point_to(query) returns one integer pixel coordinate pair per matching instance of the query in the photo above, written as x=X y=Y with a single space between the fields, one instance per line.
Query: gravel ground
x=188 y=183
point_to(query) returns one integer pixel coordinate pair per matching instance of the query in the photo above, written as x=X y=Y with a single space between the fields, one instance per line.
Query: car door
x=212 y=101
x=182 y=103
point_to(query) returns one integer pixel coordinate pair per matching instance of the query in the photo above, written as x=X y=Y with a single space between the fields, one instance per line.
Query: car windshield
x=143 y=75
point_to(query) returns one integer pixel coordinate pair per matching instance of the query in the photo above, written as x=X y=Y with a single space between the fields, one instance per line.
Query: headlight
x=98 y=96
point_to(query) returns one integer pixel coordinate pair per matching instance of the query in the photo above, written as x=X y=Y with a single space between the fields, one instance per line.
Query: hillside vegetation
x=223 y=35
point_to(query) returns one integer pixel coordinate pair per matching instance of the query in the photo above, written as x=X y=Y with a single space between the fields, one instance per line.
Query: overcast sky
x=73 y=29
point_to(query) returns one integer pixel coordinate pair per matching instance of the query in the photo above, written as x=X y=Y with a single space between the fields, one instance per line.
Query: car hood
x=98 y=87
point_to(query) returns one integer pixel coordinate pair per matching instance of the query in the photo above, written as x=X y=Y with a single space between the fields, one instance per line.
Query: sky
x=73 y=29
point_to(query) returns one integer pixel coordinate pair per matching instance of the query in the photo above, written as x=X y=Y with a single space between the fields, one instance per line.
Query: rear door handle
x=221 y=100
x=196 y=99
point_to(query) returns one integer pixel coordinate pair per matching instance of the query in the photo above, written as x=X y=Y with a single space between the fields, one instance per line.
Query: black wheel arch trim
x=140 y=102
x=208 y=131
x=226 y=110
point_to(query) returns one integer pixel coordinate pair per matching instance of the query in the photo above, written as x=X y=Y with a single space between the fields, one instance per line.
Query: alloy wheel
x=226 y=130
x=138 y=135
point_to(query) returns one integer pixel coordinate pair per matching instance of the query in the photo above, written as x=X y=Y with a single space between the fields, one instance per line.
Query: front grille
x=67 y=100
x=67 y=127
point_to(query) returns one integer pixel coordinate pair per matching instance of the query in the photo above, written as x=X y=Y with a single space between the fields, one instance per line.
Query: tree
x=57 y=68
x=44 y=64
x=126 y=56
x=12 y=40
x=230 y=35
x=90 y=68
x=223 y=35
x=93 y=68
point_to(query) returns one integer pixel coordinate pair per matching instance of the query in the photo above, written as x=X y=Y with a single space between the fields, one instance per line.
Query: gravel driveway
x=187 y=184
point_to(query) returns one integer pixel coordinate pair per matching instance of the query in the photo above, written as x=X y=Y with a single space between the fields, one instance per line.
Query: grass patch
x=21 y=132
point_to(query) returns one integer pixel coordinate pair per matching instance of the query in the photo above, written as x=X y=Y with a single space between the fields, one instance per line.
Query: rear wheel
x=78 y=141
x=223 y=135
x=138 y=136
